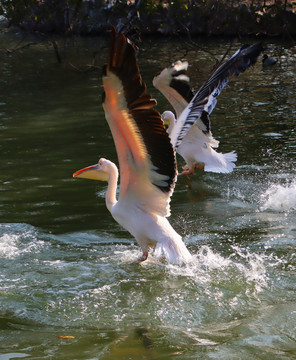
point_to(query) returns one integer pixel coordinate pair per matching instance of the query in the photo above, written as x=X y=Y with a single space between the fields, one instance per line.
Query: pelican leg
x=199 y=166
x=143 y=257
x=187 y=171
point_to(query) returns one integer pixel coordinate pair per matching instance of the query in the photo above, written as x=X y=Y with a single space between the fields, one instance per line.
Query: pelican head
x=99 y=171
x=169 y=120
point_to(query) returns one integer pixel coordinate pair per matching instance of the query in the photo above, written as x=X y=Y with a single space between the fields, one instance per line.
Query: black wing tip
x=258 y=45
x=252 y=51
x=183 y=88
x=205 y=118
x=181 y=85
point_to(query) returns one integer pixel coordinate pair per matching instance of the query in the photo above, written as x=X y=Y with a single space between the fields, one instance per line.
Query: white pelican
x=146 y=157
x=191 y=133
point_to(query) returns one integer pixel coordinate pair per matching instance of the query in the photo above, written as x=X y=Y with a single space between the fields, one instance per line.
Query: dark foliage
x=196 y=17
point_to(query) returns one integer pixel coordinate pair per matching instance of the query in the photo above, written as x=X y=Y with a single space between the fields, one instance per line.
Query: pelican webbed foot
x=186 y=171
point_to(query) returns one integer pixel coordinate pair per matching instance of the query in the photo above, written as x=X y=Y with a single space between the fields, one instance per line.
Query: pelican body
x=198 y=148
x=147 y=162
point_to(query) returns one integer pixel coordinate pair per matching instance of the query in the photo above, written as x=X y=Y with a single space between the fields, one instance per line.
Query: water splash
x=18 y=239
x=8 y=246
x=279 y=197
x=208 y=266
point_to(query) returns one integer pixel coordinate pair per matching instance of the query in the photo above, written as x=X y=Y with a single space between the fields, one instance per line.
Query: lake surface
x=67 y=267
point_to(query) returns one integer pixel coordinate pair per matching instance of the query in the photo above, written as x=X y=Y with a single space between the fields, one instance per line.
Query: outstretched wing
x=146 y=157
x=173 y=83
x=204 y=101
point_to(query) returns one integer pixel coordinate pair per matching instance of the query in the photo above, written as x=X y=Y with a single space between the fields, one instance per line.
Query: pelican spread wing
x=204 y=101
x=146 y=157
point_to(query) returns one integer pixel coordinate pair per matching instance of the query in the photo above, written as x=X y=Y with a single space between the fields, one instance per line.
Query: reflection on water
x=67 y=268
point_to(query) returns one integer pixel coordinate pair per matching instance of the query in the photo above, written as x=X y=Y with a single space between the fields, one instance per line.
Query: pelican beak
x=92 y=172
x=89 y=172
